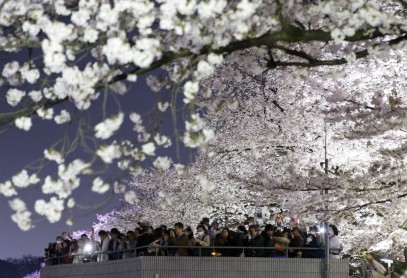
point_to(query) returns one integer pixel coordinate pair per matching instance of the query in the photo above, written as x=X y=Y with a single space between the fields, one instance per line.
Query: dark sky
x=18 y=148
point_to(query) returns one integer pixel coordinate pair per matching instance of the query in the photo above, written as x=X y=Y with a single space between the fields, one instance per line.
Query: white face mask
x=200 y=234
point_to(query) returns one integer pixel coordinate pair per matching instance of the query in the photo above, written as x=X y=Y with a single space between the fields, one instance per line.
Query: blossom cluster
x=219 y=55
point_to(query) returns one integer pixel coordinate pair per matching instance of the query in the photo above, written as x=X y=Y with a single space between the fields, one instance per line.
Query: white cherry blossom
x=23 y=123
x=14 y=96
x=105 y=129
x=99 y=186
x=109 y=153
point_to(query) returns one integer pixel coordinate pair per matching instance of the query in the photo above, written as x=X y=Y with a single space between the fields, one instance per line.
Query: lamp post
x=326 y=222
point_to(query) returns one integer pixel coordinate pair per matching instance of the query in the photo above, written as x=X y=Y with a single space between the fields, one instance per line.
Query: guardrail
x=202 y=251
x=214 y=266
x=199 y=267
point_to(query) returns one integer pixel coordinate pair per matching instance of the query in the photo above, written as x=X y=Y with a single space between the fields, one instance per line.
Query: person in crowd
x=70 y=245
x=145 y=238
x=267 y=235
x=113 y=244
x=313 y=240
x=60 y=250
x=287 y=233
x=334 y=242
x=256 y=240
x=202 y=239
x=205 y=222
x=131 y=244
x=49 y=253
x=296 y=242
x=137 y=232
x=224 y=239
x=178 y=238
x=166 y=242
x=237 y=241
x=281 y=243
x=78 y=252
x=154 y=248
x=103 y=247
x=121 y=238
x=190 y=234
x=243 y=233
x=213 y=231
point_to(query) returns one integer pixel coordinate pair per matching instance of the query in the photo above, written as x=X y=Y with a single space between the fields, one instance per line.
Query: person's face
x=331 y=231
x=136 y=233
x=252 y=232
x=269 y=233
x=177 y=230
x=225 y=233
x=200 y=229
x=130 y=237
x=80 y=243
x=113 y=236
x=285 y=235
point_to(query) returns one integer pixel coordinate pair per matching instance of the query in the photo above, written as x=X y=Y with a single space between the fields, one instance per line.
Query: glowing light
x=88 y=248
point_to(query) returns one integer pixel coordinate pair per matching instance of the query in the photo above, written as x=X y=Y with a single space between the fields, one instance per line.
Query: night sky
x=18 y=148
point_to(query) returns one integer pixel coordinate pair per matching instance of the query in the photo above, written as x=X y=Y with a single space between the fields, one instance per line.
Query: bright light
x=88 y=248
x=322 y=230
x=387 y=261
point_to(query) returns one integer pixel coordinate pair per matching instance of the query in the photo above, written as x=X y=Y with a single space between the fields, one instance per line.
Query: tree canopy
x=259 y=82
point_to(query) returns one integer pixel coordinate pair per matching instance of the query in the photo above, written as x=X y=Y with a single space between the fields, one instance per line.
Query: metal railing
x=153 y=265
x=247 y=251
x=202 y=260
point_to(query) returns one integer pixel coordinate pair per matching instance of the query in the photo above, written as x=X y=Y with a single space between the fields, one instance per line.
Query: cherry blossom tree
x=83 y=54
x=269 y=153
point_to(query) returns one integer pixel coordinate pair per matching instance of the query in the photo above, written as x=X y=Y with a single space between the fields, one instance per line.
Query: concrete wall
x=195 y=267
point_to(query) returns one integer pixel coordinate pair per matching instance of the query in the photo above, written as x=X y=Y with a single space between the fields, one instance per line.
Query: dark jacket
x=257 y=241
x=224 y=242
x=295 y=242
x=144 y=240
x=180 y=240
x=313 y=241
x=113 y=244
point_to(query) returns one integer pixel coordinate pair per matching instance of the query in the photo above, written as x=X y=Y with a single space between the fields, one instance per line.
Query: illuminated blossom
x=22 y=179
x=105 y=129
x=109 y=153
x=23 y=123
x=14 y=96
x=99 y=186
x=63 y=117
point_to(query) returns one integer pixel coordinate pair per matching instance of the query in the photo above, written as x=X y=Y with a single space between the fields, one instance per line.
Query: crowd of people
x=207 y=240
